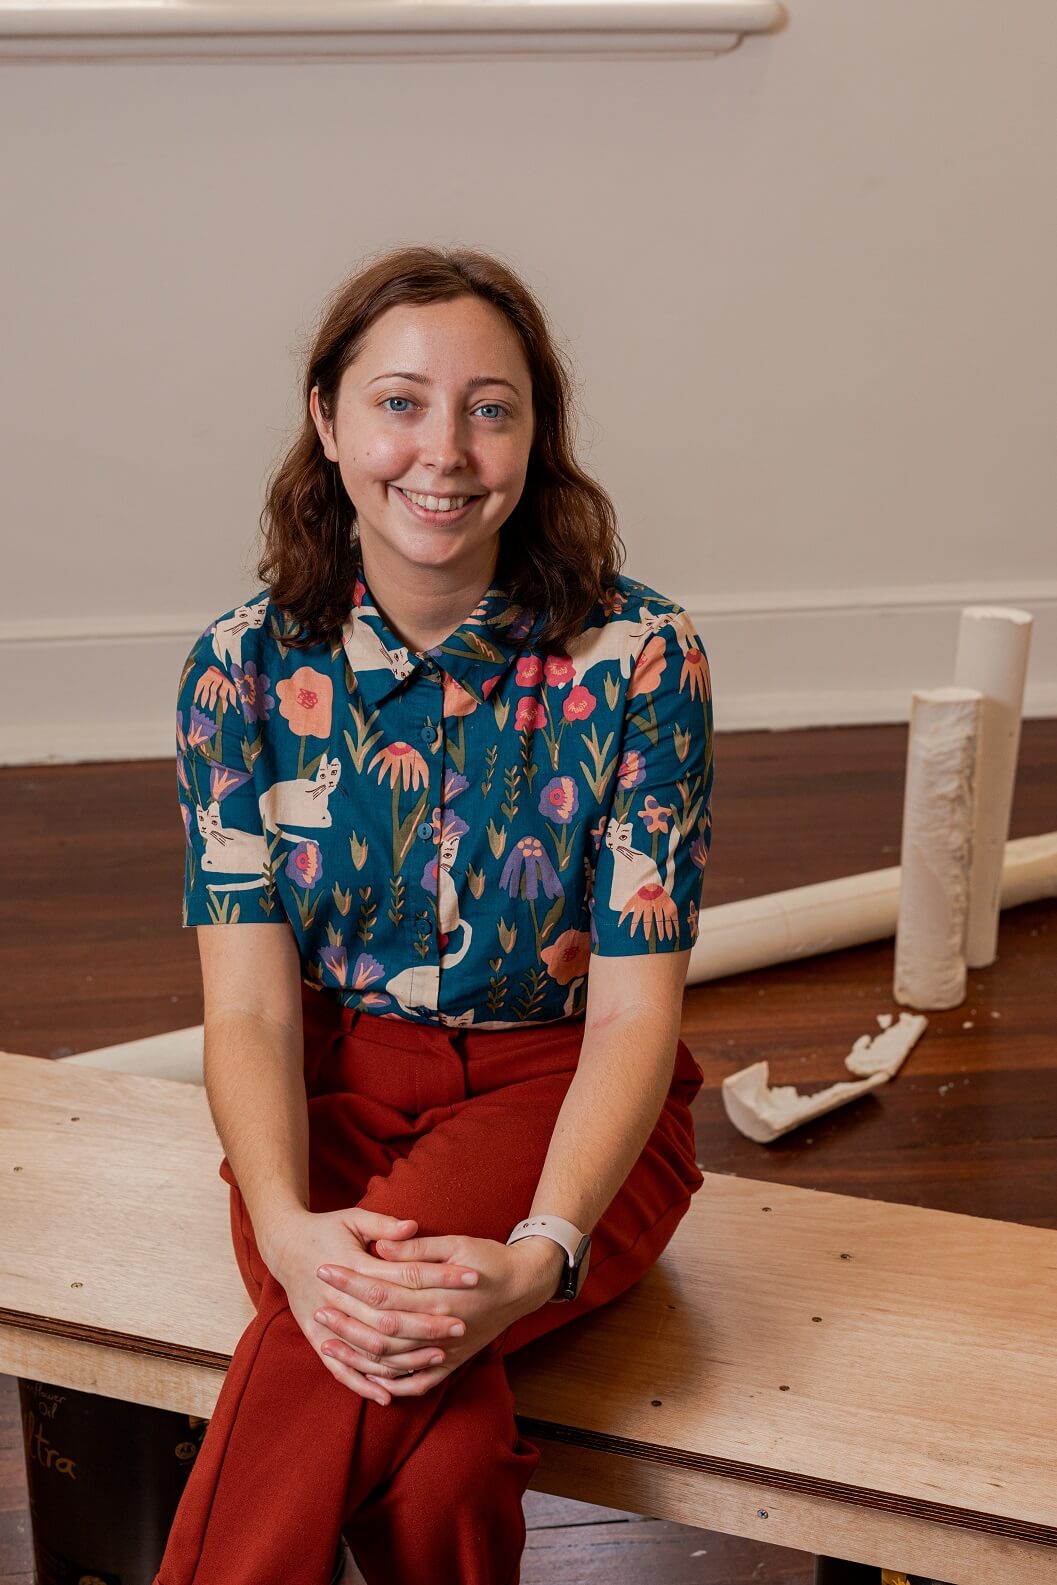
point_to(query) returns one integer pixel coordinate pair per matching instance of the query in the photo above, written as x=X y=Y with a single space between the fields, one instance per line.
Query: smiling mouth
x=424 y=514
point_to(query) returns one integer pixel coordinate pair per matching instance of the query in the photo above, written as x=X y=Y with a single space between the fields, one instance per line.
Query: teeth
x=437 y=503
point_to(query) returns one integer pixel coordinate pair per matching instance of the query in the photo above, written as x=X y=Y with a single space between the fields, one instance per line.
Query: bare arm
x=634 y=1012
x=254 y=1067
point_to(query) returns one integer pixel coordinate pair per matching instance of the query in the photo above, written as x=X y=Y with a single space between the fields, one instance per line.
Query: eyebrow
x=420 y=379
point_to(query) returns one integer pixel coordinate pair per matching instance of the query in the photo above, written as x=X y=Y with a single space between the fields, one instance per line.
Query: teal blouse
x=451 y=835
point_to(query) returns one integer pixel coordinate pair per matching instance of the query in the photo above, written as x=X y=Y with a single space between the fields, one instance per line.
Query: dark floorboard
x=93 y=953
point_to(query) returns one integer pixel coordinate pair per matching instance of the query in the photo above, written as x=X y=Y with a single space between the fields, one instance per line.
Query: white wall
x=808 y=287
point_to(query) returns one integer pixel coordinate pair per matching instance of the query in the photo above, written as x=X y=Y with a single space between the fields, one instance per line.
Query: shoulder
x=643 y=618
x=247 y=628
x=630 y=599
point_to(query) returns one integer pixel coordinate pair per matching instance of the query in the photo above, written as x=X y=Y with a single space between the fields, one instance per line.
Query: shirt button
x=429 y=734
x=426 y=829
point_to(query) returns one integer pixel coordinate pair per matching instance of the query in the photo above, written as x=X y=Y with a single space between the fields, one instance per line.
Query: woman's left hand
x=513 y=1280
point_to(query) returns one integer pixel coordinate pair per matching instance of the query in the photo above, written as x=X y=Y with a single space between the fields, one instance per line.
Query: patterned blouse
x=451 y=835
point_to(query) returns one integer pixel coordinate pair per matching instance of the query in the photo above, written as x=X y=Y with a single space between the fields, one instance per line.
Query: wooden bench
x=871 y=1381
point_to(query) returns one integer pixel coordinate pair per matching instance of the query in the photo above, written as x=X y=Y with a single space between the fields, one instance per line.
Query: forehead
x=456 y=340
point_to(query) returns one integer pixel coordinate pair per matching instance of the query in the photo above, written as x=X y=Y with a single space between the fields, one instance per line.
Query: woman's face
x=409 y=415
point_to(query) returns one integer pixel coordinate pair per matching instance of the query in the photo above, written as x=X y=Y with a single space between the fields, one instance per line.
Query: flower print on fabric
x=451 y=836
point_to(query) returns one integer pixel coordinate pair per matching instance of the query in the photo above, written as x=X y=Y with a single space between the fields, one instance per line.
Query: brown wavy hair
x=559 y=548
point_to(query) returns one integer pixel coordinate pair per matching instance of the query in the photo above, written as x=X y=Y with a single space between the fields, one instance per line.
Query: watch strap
x=563 y=1232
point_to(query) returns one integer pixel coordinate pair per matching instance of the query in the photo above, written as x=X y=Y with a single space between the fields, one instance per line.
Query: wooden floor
x=93 y=953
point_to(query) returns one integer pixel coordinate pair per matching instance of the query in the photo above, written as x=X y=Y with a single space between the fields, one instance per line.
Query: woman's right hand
x=304 y=1240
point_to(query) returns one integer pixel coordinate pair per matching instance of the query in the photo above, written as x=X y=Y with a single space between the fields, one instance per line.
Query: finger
x=395 y=1367
x=412 y=1386
x=373 y=1225
x=439 y=1248
x=382 y=1274
x=390 y=1332
x=375 y=1391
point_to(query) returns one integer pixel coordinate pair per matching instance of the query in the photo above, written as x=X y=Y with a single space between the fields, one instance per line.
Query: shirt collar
x=476 y=654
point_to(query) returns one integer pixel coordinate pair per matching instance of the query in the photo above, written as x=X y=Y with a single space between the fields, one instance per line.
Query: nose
x=443 y=448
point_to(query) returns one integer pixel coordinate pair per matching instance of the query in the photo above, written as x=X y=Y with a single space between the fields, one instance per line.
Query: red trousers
x=450 y=1126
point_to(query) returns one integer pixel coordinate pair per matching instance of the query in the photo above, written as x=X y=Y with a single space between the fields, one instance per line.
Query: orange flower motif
x=695 y=667
x=400 y=761
x=655 y=815
x=569 y=957
x=648 y=667
x=213 y=685
x=306 y=700
x=655 y=909
x=457 y=701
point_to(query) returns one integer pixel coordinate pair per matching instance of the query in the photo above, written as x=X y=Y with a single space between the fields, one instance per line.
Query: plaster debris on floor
x=763 y=1112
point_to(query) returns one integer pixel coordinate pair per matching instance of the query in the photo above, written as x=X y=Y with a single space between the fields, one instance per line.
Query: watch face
x=581 y=1261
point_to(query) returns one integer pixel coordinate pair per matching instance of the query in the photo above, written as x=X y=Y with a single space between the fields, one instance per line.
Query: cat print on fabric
x=303 y=802
x=633 y=869
x=366 y=649
x=227 y=634
x=416 y=980
x=229 y=851
x=618 y=641
x=451 y=837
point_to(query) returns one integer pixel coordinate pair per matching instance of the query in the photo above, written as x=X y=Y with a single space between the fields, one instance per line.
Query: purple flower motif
x=521 y=626
x=252 y=686
x=454 y=783
x=202 y=729
x=305 y=865
x=365 y=971
x=528 y=859
x=181 y=741
x=223 y=779
x=632 y=768
x=336 y=959
x=559 y=800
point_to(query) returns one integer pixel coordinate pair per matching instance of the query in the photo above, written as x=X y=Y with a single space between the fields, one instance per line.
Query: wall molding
x=104 y=687
x=329 y=30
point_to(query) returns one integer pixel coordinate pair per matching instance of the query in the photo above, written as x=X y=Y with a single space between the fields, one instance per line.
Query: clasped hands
x=372 y=1318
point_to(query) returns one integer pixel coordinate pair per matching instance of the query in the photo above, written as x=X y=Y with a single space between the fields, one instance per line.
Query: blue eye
x=501 y=410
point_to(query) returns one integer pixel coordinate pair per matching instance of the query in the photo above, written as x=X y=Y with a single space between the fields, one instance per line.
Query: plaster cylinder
x=828 y=916
x=992 y=657
x=930 y=966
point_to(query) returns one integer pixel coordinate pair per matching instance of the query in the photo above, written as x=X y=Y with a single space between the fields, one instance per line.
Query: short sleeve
x=228 y=873
x=656 y=837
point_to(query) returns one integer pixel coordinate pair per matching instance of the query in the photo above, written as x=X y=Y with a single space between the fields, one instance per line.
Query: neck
x=423 y=605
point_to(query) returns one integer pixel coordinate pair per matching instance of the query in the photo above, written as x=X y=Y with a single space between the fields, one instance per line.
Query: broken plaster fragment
x=885 y=1053
x=763 y=1114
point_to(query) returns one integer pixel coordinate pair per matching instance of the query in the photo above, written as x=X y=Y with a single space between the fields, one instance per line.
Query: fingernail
x=457 y=1330
x=469 y=1278
x=325 y=1272
x=436 y=1359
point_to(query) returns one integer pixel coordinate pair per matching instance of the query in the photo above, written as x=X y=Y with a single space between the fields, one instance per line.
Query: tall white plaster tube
x=930 y=968
x=992 y=657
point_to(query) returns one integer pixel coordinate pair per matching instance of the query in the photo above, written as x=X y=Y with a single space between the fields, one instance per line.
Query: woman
x=460 y=761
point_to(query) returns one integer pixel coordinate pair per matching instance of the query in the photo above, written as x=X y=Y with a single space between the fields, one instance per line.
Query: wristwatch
x=577 y=1247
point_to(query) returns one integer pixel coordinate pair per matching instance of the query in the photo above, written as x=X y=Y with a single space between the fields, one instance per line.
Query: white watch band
x=563 y=1232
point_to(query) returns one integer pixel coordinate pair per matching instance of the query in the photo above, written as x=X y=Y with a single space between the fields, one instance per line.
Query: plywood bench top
x=897 y=1359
